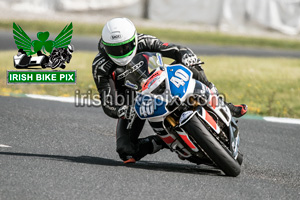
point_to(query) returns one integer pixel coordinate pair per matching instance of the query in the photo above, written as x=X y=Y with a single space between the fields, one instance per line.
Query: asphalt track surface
x=59 y=151
x=90 y=44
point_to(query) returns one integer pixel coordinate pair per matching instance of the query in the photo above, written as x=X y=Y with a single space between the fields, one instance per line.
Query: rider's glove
x=124 y=112
x=189 y=59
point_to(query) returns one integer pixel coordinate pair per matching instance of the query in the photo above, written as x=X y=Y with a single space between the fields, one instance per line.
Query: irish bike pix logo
x=42 y=53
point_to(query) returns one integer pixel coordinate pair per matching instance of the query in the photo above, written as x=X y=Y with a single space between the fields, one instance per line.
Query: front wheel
x=212 y=147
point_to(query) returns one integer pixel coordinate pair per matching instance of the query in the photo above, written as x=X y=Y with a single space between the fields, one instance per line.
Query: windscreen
x=140 y=68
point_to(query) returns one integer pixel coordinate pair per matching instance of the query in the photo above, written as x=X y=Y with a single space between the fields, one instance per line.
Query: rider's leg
x=129 y=147
x=127 y=138
x=198 y=74
x=148 y=145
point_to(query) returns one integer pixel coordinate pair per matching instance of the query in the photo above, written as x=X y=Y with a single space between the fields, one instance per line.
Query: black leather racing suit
x=110 y=85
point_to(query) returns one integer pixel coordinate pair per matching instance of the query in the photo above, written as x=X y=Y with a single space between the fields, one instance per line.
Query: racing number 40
x=147 y=108
x=180 y=78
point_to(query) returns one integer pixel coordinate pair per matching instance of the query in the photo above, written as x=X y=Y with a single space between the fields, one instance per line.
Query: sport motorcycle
x=189 y=117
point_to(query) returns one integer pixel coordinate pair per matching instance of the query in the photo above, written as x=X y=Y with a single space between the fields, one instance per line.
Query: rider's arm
x=176 y=52
x=102 y=70
x=153 y=44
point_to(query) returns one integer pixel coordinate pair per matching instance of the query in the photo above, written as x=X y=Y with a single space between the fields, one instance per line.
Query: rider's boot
x=148 y=145
x=129 y=159
x=237 y=110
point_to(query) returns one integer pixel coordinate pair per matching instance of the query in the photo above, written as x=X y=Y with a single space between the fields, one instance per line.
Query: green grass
x=167 y=35
x=270 y=86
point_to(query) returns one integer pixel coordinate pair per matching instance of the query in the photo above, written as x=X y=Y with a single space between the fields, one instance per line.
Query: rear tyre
x=212 y=147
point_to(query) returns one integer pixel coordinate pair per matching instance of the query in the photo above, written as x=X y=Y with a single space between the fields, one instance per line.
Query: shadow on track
x=148 y=165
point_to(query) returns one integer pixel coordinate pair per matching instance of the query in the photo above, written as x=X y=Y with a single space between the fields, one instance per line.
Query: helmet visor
x=120 y=50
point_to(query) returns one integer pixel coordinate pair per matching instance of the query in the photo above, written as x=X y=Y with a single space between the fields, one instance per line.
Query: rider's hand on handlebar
x=190 y=59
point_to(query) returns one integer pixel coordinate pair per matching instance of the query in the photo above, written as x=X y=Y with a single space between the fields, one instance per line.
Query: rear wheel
x=214 y=150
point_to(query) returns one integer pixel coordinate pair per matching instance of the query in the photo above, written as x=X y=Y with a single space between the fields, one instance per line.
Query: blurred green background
x=269 y=86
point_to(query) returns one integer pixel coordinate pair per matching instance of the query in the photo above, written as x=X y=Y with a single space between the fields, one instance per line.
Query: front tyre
x=212 y=147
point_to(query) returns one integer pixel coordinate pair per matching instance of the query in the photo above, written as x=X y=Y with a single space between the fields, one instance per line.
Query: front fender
x=203 y=114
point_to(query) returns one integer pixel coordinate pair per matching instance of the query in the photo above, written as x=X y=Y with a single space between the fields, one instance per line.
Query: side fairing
x=178 y=82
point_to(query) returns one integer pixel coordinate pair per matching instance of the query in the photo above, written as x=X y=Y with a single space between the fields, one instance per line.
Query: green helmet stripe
x=120 y=43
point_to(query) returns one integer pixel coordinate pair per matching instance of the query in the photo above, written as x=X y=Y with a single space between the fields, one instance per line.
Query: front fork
x=174 y=122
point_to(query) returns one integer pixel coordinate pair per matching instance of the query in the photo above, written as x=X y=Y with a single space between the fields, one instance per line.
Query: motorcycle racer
x=117 y=46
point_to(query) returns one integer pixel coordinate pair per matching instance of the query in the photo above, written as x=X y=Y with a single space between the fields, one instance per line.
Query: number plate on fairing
x=179 y=78
x=147 y=107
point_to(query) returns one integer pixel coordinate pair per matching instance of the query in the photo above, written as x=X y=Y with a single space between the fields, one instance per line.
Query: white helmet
x=119 y=38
